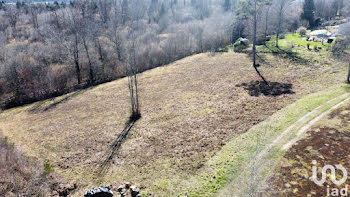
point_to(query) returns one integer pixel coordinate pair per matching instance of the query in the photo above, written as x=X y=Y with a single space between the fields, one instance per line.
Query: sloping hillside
x=190 y=109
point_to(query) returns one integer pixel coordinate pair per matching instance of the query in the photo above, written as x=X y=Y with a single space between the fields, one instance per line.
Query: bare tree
x=257 y=5
x=34 y=11
x=133 y=84
x=71 y=40
x=12 y=15
x=349 y=74
x=79 y=38
x=3 y=42
x=281 y=6
x=86 y=33
x=267 y=11
x=344 y=29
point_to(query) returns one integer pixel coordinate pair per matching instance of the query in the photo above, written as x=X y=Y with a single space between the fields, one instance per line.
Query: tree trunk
x=91 y=73
x=254 y=36
x=77 y=68
x=266 y=23
x=349 y=74
x=254 y=44
x=76 y=59
x=133 y=86
x=57 y=20
x=278 y=28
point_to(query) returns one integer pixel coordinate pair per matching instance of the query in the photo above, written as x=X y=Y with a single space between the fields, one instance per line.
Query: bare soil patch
x=257 y=88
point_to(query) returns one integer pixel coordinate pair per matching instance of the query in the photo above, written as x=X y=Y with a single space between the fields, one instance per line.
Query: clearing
x=191 y=109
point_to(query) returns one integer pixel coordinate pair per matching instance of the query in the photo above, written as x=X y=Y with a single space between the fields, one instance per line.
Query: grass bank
x=229 y=171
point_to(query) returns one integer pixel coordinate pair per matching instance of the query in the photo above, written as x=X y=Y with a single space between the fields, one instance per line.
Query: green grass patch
x=298 y=40
x=48 y=168
x=290 y=42
x=294 y=47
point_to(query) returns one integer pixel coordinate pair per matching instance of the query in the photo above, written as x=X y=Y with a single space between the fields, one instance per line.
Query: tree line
x=48 y=49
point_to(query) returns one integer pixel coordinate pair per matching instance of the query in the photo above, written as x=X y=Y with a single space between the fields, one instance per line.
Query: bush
x=339 y=45
x=302 y=31
x=240 y=44
x=21 y=175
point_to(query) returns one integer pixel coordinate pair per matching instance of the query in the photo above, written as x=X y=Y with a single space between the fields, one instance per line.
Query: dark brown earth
x=328 y=145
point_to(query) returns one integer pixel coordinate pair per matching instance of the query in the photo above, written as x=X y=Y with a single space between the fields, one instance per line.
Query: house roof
x=319 y=32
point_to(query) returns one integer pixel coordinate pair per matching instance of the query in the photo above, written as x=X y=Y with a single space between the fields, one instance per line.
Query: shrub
x=21 y=175
x=339 y=45
x=302 y=31
x=240 y=44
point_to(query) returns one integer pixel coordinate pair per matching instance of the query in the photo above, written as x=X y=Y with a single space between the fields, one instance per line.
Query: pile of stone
x=124 y=190
x=103 y=191
x=128 y=190
x=63 y=189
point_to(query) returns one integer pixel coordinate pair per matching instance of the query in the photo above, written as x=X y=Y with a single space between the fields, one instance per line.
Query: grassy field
x=191 y=109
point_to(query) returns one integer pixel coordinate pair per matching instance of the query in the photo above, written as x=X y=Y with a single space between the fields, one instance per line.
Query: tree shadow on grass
x=41 y=107
x=113 y=149
x=288 y=54
x=262 y=60
x=257 y=88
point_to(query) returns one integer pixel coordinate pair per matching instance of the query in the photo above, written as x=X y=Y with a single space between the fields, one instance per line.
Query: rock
x=54 y=194
x=127 y=185
x=134 y=191
x=10 y=194
x=103 y=191
x=129 y=190
x=71 y=186
x=244 y=41
x=120 y=188
x=240 y=44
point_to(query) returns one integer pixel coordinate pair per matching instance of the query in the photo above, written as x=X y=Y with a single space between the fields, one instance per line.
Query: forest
x=48 y=49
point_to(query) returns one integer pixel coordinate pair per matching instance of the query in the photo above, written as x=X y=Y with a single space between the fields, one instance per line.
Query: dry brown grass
x=20 y=175
x=190 y=109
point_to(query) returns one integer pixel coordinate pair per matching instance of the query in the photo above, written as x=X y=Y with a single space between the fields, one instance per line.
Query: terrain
x=326 y=142
x=191 y=109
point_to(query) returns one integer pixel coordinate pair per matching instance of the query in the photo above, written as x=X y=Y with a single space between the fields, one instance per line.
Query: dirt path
x=299 y=128
x=313 y=121
x=326 y=142
x=306 y=126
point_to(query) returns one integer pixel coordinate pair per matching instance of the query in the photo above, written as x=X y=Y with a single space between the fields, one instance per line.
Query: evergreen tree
x=2 y=5
x=309 y=12
x=125 y=11
x=227 y=5
x=162 y=10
